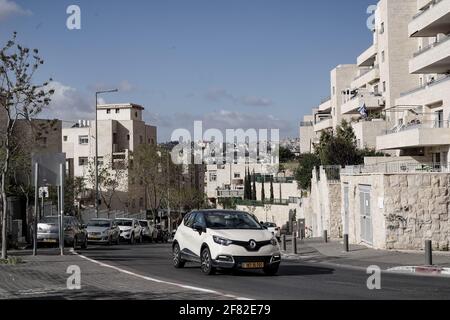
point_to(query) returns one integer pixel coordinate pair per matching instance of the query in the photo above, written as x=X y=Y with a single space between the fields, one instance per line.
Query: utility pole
x=97 y=198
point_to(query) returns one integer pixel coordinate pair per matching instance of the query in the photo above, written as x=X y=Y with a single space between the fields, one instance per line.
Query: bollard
x=346 y=246
x=283 y=242
x=325 y=235
x=428 y=253
x=294 y=244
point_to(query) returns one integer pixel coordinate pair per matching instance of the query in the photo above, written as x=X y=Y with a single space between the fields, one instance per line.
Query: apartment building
x=379 y=76
x=422 y=126
x=307 y=134
x=120 y=131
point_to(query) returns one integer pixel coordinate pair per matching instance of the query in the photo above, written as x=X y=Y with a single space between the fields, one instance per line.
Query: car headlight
x=274 y=241
x=222 y=241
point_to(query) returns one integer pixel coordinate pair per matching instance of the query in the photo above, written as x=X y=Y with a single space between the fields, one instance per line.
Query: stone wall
x=417 y=209
x=277 y=214
x=406 y=209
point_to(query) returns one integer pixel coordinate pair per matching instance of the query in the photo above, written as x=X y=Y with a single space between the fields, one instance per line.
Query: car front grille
x=246 y=244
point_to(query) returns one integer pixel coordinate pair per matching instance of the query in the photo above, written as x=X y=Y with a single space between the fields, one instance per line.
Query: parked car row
x=100 y=231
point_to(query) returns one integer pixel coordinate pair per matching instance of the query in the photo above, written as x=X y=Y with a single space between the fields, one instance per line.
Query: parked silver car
x=149 y=231
x=130 y=230
x=103 y=231
x=75 y=233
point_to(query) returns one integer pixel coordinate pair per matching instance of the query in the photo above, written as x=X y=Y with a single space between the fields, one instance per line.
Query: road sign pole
x=36 y=204
x=61 y=242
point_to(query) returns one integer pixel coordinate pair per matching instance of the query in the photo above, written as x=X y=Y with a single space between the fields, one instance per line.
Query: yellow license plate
x=253 y=265
x=50 y=240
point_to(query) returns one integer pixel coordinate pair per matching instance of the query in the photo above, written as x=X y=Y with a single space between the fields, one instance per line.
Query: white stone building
x=120 y=131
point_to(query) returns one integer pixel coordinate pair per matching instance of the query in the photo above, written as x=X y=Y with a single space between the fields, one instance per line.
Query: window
x=383 y=56
x=237 y=175
x=375 y=90
x=128 y=137
x=136 y=114
x=213 y=176
x=82 y=161
x=382 y=28
x=108 y=111
x=117 y=110
x=65 y=138
x=83 y=139
x=384 y=86
x=189 y=220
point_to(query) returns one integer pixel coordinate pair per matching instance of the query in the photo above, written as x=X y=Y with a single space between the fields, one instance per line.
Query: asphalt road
x=296 y=280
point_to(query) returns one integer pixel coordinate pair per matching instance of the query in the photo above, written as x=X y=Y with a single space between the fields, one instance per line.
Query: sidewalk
x=317 y=251
x=45 y=277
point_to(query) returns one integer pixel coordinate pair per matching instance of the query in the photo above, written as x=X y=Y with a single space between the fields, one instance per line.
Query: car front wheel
x=177 y=261
x=206 y=262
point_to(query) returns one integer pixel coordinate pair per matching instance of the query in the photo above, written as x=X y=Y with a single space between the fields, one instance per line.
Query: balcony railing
x=325 y=99
x=306 y=124
x=230 y=193
x=362 y=73
x=432 y=4
x=397 y=167
x=431 y=46
x=427 y=85
x=420 y=124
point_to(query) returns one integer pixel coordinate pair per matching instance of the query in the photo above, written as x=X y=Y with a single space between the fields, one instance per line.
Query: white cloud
x=68 y=104
x=123 y=86
x=222 y=120
x=9 y=8
x=219 y=95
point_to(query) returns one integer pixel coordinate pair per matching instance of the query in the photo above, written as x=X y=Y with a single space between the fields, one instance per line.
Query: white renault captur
x=225 y=240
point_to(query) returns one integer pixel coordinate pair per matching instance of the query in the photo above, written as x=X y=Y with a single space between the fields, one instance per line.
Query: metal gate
x=366 y=217
x=346 y=209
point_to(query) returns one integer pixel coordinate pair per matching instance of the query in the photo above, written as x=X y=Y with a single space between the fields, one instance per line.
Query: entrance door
x=346 y=209
x=366 y=216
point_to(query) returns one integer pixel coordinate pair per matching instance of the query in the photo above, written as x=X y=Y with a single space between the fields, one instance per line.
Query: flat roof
x=120 y=106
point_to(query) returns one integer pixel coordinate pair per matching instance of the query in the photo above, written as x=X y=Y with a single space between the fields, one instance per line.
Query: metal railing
x=366 y=71
x=397 y=167
x=426 y=85
x=258 y=203
x=431 y=5
x=332 y=173
x=306 y=124
x=323 y=100
x=420 y=124
x=230 y=193
x=430 y=46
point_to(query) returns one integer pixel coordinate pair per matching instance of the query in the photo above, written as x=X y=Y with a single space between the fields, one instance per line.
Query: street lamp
x=96 y=146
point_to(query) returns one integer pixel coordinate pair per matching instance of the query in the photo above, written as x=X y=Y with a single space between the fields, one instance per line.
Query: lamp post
x=96 y=146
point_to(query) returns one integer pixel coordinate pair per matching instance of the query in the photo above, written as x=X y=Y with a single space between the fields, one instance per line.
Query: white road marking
x=158 y=280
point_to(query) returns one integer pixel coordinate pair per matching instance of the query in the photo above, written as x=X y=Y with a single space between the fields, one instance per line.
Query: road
x=296 y=280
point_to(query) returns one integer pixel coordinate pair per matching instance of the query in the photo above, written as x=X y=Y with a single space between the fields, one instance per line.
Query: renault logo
x=252 y=244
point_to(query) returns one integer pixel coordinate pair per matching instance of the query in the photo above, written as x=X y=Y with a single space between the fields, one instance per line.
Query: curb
x=422 y=270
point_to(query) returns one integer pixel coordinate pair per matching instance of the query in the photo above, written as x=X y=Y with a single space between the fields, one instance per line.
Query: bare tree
x=112 y=176
x=20 y=99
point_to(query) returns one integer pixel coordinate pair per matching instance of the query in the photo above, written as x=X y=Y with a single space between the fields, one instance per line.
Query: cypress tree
x=271 y=191
x=254 y=187
x=263 y=193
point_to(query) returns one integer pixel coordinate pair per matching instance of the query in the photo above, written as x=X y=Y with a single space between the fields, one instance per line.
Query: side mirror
x=200 y=229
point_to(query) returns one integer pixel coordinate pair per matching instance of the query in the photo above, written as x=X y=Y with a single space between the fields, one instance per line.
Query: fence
x=397 y=167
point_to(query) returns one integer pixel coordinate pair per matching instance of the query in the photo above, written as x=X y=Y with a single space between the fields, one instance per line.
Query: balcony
x=416 y=135
x=372 y=101
x=366 y=76
x=325 y=106
x=426 y=94
x=323 y=125
x=367 y=58
x=434 y=58
x=432 y=20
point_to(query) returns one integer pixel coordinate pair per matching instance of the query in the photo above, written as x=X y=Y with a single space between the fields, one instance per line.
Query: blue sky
x=231 y=63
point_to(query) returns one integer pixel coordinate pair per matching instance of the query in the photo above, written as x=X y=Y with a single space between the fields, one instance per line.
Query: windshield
x=99 y=223
x=143 y=223
x=124 y=223
x=231 y=220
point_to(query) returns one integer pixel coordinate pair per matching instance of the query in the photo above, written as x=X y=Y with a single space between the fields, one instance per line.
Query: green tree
x=286 y=155
x=303 y=174
x=20 y=98
x=254 y=186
